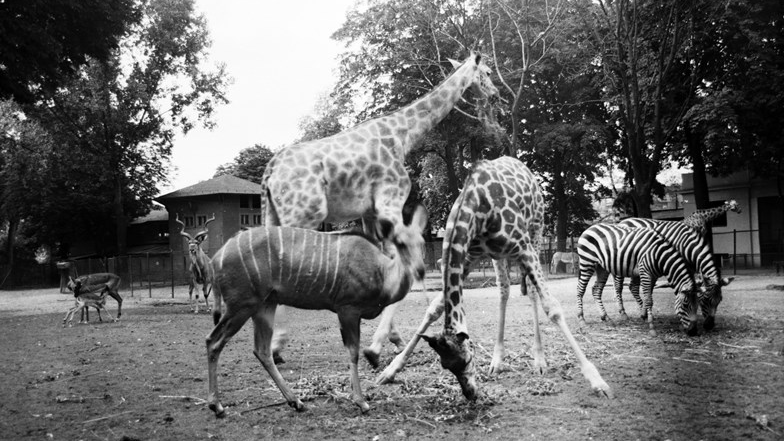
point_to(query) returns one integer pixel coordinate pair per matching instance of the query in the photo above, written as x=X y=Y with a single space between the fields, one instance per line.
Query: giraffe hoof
x=218 y=410
x=372 y=358
x=297 y=405
x=278 y=359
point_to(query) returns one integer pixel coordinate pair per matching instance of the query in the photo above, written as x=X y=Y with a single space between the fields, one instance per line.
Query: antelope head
x=194 y=242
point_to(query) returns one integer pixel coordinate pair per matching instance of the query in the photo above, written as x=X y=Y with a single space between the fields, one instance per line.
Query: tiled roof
x=225 y=184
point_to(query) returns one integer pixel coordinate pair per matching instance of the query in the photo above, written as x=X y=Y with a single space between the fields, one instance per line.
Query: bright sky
x=281 y=57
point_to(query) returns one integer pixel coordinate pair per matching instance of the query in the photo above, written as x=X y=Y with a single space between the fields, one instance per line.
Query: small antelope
x=84 y=301
x=98 y=282
x=200 y=269
x=344 y=272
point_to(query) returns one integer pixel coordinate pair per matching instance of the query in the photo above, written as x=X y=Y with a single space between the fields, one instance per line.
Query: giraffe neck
x=410 y=123
x=708 y=215
x=457 y=238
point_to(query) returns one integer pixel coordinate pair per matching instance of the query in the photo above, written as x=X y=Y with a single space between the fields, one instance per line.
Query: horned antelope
x=84 y=301
x=344 y=272
x=200 y=269
x=98 y=282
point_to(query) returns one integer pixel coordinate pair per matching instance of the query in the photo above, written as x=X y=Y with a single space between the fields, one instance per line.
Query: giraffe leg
x=502 y=279
x=618 y=284
x=227 y=326
x=540 y=363
x=264 y=321
x=349 y=331
x=434 y=311
x=385 y=329
x=554 y=311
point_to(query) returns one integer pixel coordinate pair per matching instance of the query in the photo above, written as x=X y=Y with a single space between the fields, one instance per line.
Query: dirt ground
x=144 y=377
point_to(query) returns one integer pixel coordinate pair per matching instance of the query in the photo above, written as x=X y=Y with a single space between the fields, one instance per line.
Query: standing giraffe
x=359 y=172
x=500 y=214
x=700 y=218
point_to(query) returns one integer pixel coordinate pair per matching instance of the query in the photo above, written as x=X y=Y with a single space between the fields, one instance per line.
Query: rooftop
x=224 y=184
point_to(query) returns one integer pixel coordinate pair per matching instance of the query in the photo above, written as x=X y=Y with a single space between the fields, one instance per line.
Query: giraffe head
x=479 y=77
x=457 y=355
x=732 y=205
x=710 y=299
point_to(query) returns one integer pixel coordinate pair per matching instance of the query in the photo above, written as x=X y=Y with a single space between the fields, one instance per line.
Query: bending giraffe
x=359 y=173
x=500 y=214
x=700 y=218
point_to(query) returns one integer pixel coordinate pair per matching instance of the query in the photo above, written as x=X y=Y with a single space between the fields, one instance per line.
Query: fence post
x=734 y=252
x=130 y=272
x=149 y=279
x=171 y=263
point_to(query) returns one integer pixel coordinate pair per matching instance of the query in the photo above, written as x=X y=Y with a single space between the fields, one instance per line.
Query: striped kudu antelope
x=347 y=273
x=200 y=269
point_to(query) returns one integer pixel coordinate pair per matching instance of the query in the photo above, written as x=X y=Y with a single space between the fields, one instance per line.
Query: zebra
x=695 y=250
x=619 y=250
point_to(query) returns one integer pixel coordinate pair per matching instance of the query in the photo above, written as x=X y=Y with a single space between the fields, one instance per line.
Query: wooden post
x=171 y=263
x=149 y=281
x=734 y=252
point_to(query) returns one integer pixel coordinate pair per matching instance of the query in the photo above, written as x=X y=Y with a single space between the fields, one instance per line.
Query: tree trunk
x=120 y=218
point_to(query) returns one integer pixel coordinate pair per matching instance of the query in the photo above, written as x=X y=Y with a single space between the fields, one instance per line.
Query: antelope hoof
x=363 y=406
x=603 y=390
x=218 y=409
x=371 y=357
x=652 y=333
x=297 y=405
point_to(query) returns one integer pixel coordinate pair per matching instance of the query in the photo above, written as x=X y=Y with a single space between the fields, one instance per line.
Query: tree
x=737 y=115
x=249 y=163
x=43 y=43
x=641 y=44
x=117 y=118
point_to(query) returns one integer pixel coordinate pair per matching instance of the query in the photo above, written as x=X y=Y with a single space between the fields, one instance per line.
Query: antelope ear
x=432 y=340
x=385 y=228
x=455 y=63
x=419 y=219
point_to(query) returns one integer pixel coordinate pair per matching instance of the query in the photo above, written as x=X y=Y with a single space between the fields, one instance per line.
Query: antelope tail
x=217 y=303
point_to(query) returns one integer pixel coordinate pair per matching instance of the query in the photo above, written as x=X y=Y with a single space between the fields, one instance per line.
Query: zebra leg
x=634 y=287
x=647 y=289
x=618 y=284
x=582 y=283
x=601 y=280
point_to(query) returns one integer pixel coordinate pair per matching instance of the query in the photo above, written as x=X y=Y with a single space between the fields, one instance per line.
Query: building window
x=201 y=220
x=244 y=201
x=188 y=221
x=256 y=219
x=244 y=219
x=256 y=201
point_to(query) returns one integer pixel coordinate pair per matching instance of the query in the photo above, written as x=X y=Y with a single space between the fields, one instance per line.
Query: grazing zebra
x=695 y=250
x=625 y=251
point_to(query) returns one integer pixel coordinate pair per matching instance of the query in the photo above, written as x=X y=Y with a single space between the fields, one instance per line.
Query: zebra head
x=686 y=301
x=710 y=298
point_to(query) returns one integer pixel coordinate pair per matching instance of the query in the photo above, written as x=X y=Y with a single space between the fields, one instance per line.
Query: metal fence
x=150 y=273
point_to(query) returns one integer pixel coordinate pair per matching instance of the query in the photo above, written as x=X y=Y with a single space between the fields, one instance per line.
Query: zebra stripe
x=624 y=251
x=696 y=251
